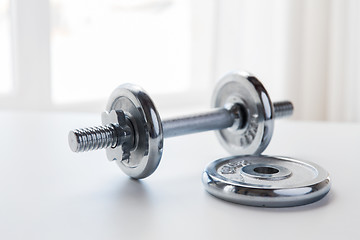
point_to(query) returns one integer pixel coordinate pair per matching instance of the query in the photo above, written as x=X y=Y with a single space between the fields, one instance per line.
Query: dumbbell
x=133 y=132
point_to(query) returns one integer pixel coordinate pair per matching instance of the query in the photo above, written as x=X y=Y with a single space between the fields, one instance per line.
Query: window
x=70 y=55
x=97 y=45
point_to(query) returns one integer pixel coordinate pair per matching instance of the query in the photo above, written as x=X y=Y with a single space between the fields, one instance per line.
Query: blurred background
x=68 y=55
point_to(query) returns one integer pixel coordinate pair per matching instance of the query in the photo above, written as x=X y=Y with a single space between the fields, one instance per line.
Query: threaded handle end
x=92 y=138
x=283 y=109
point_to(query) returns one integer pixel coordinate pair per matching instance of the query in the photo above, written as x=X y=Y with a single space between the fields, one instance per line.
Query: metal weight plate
x=138 y=107
x=246 y=90
x=266 y=181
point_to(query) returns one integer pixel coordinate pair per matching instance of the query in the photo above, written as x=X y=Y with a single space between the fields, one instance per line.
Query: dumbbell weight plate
x=140 y=110
x=246 y=90
x=266 y=181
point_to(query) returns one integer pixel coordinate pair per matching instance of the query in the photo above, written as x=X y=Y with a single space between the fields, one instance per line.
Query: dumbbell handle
x=213 y=120
x=200 y=122
x=105 y=136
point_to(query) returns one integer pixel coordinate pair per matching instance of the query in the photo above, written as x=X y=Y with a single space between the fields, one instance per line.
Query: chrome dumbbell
x=133 y=132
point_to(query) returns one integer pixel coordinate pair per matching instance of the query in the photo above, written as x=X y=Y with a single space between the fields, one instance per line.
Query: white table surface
x=49 y=192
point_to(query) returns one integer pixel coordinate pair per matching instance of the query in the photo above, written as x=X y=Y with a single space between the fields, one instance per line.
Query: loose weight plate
x=266 y=181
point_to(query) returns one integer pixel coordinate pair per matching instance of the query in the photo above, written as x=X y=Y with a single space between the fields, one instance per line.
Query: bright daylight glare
x=101 y=44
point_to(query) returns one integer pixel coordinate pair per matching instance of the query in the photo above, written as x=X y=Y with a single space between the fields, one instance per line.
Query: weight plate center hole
x=266 y=170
